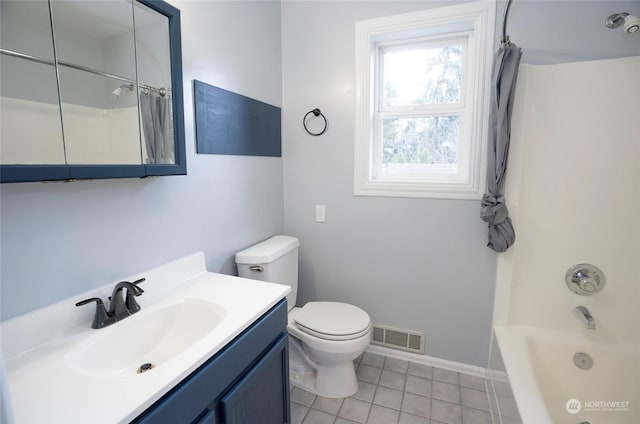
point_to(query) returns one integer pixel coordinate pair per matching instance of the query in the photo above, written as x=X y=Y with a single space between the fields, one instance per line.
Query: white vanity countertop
x=40 y=348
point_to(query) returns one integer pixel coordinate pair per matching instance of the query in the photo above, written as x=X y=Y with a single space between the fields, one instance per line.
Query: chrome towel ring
x=316 y=112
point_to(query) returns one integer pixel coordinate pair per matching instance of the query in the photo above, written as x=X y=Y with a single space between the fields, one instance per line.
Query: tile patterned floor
x=393 y=391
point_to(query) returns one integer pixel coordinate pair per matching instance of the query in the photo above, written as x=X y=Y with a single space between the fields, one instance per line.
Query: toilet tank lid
x=267 y=251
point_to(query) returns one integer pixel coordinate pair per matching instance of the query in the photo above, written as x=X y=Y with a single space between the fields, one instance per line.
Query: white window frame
x=476 y=22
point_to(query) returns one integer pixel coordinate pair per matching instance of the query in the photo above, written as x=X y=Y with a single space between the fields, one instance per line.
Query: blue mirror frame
x=34 y=173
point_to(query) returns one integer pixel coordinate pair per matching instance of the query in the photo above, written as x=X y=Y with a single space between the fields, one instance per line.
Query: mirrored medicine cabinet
x=90 y=89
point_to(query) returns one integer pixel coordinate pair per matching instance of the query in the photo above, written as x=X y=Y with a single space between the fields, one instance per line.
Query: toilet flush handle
x=258 y=268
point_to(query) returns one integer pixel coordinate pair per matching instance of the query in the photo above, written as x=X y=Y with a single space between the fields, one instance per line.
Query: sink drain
x=145 y=367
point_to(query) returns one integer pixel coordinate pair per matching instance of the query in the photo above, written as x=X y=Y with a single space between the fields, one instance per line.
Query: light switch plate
x=321 y=215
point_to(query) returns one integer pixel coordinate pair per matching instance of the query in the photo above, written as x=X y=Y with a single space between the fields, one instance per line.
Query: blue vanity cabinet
x=258 y=397
x=246 y=382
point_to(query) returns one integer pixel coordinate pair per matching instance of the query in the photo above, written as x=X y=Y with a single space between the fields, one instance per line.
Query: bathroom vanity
x=247 y=382
x=217 y=346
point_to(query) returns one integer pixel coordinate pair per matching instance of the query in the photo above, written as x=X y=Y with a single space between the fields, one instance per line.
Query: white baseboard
x=497 y=375
x=428 y=360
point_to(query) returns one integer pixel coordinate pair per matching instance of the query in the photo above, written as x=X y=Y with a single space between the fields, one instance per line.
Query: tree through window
x=422 y=98
x=419 y=106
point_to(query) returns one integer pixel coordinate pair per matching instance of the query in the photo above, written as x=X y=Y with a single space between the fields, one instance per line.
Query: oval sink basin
x=151 y=338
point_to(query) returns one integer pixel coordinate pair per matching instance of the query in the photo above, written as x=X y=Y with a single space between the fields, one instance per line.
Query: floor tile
x=297 y=413
x=418 y=385
x=341 y=420
x=397 y=365
x=366 y=391
x=472 y=382
x=318 y=417
x=474 y=398
x=507 y=420
x=354 y=410
x=475 y=416
x=372 y=359
x=420 y=370
x=416 y=405
x=395 y=380
x=445 y=375
x=328 y=405
x=395 y=391
x=368 y=373
x=381 y=415
x=302 y=397
x=446 y=412
x=445 y=391
x=412 y=419
x=388 y=397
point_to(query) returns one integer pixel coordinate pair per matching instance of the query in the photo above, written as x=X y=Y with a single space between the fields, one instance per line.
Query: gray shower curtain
x=156 y=125
x=494 y=210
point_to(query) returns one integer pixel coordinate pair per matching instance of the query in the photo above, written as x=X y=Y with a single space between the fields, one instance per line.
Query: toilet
x=324 y=337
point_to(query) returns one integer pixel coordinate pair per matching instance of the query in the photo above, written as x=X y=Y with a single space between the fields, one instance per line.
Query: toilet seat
x=333 y=320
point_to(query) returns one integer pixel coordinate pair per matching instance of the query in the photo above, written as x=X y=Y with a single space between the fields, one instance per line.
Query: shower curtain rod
x=505 y=38
x=160 y=91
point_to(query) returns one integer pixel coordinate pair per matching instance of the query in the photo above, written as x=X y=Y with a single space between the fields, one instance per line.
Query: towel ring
x=316 y=112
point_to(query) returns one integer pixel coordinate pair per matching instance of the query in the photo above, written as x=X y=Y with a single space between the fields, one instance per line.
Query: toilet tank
x=274 y=260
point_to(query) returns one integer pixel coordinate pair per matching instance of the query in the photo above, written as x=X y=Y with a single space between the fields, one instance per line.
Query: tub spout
x=584 y=315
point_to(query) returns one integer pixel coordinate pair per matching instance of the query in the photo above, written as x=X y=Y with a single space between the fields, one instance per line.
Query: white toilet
x=324 y=337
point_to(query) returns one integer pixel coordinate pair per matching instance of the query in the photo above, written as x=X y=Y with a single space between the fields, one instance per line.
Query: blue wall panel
x=231 y=124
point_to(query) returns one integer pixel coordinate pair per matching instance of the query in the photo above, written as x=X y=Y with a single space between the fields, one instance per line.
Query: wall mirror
x=90 y=89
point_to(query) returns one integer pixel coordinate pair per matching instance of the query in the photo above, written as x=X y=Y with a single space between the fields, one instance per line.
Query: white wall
x=59 y=239
x=419 y=264
x=92 y=135
x=574 y=194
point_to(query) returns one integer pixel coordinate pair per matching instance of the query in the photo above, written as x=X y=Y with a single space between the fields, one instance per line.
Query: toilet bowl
x=321 y=356
x=324 y=337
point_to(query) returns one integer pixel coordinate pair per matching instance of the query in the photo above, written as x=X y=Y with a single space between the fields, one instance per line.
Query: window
x=422 y=102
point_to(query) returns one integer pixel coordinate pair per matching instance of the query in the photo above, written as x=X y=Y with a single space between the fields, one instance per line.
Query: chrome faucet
x=119 y=308
x=585 y=316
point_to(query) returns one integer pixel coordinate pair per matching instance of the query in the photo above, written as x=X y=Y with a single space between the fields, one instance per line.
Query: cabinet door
x=208 y=418
x=262 y=396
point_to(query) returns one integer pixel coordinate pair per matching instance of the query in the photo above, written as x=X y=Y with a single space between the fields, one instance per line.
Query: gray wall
x=413 y=263
x=60 y=239
x=419 y=264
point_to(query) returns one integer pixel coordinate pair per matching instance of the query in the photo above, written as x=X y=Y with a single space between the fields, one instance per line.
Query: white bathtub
x=544 y=379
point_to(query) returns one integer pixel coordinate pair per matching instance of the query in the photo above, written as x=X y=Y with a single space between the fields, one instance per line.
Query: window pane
x=420 y=74
x=420 y=145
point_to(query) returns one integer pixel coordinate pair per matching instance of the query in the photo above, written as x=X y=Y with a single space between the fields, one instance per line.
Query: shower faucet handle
x=584 y=279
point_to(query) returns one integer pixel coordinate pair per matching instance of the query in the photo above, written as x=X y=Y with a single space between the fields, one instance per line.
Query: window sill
x=421 y=190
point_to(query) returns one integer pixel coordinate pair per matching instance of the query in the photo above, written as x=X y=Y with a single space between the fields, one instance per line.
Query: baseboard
x=498 y=375
x=428 y=360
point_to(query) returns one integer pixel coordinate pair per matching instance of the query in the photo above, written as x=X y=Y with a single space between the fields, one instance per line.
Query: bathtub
x=550 y=389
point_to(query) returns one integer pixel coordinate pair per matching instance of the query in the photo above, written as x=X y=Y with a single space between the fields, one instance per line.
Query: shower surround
x=574 y=190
